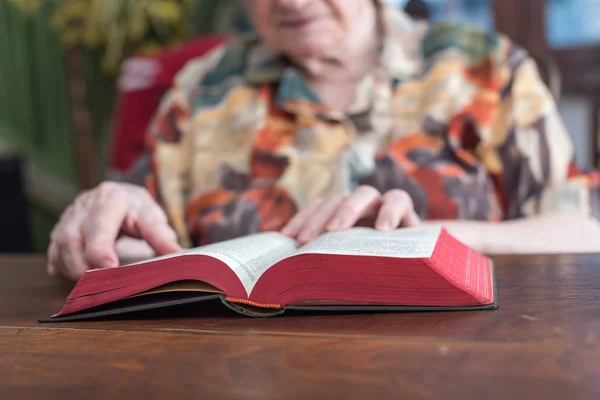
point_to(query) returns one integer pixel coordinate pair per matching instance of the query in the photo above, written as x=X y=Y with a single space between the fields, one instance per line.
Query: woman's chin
x=307 y=50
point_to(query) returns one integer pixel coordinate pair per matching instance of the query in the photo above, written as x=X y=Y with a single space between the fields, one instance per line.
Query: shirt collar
x=400 y=60
x=401 y=54
x=262 y=64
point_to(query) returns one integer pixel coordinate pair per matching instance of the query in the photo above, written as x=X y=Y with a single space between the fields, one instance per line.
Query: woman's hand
x=86 y=234
x=365 y=206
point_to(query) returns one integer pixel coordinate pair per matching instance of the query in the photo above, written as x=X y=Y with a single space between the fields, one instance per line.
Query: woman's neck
x=334 y=76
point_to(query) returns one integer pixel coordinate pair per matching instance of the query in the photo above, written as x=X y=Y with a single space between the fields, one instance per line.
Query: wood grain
x=541 y=343
x=541 y=298
x=88 y=364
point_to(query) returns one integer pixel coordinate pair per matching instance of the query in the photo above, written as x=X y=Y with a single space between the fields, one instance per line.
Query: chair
x=142 y=84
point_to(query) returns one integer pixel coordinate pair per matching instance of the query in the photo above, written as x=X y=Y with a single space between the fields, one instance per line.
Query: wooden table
x=543 y=342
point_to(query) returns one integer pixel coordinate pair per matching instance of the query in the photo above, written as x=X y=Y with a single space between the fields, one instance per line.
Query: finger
x=53 y=266
x=99 y=232
x=154 y=229
x=293 y=227
x=411 y=219
x=63 y=236
x=364 y=200
x=73 y=263
x=316 y=222
x=397 y=210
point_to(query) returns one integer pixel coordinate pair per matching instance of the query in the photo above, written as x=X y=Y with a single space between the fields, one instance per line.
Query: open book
x=421 y=268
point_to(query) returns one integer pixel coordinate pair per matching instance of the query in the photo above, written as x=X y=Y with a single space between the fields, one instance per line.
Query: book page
x=250 y=256
x=416 y=242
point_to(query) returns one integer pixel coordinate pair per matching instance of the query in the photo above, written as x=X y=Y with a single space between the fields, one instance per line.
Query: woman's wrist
x=481 y=236
x=543 y=234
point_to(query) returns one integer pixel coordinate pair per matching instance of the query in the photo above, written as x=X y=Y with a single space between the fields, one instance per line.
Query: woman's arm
x=552 y=233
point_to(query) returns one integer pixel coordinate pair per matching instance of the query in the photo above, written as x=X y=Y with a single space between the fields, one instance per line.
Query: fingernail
x=107 y=263
x=335 y=224
x=306 y=236
x=343 y=222
x=175 y=246
x=384 y=226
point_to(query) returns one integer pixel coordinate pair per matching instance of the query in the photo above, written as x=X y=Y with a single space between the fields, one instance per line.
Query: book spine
x=253 y=304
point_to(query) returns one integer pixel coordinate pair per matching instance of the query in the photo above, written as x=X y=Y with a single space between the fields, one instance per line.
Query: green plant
x=27 y=6
x=122 y=27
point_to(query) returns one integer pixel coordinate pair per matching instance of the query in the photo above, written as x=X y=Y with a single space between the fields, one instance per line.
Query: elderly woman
x=343 y=113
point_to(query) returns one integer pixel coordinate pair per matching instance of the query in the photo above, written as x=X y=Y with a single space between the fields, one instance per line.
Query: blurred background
x=80 y=79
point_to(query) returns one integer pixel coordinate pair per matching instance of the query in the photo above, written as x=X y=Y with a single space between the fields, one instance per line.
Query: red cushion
x=143 y=82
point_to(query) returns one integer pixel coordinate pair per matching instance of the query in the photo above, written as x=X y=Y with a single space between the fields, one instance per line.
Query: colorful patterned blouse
x=457 y=117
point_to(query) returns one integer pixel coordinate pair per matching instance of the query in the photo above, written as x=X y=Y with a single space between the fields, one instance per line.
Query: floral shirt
x=457 y=117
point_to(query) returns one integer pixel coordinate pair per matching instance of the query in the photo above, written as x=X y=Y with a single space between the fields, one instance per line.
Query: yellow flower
x=123 y=27
x=93 y=36
x=161 y=10
x=70 y=20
